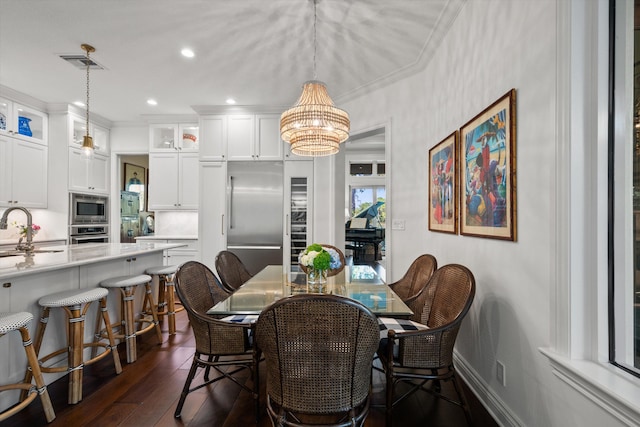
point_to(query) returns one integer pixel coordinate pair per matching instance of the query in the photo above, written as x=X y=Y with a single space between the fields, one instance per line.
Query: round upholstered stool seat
x=129 y=327
x=75 y=304
x=20 y=322
x=166 y=293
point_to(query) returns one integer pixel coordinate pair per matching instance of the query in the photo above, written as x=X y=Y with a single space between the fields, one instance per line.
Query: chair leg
x=148 y=298
x=32 y=359
x=463 y=401
x=112 y=342
x=42 y=325
x=129 y=324
x=171 y=306
x=75 y=340
x=389 y=396
x=187 y=385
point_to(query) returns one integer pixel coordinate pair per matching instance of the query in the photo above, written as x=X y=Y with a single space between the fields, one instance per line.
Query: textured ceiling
x=259 y=52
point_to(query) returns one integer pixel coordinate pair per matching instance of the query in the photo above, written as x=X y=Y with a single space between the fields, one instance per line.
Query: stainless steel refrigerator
x=129 y=216
x=255 y=205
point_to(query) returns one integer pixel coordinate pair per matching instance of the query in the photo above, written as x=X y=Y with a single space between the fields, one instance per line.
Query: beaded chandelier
x=314 y=126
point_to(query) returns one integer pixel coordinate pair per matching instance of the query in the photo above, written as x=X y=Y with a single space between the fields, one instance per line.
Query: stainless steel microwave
x=89 y=209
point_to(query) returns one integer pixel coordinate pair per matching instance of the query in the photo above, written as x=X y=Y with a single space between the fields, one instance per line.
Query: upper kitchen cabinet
x=88 y=174
x=174 y=137
x=23 y=122
x=173 y=181
x=213 y=131
x=99 y=134
x=254 y=137
x=23 y=173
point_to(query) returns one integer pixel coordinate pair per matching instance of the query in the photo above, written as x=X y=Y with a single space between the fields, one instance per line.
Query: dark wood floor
x=147 y=392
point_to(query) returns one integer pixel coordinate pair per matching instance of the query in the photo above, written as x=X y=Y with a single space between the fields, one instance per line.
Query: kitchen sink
x=4 y=254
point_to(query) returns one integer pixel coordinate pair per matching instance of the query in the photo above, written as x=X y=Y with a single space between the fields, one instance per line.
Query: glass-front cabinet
x=298 y=208
x=99 y=134
x=23 y=122
x=174 y=137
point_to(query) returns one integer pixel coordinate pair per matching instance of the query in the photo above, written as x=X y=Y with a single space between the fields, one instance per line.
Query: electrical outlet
x=501 y=374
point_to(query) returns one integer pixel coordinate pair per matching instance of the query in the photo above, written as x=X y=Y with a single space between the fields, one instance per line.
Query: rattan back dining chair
x=318 y=351
x=414 y=281
x=416 y=357
x=221 y=345
x=231 y=270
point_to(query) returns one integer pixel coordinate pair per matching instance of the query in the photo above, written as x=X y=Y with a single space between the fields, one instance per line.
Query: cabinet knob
x=6 y=285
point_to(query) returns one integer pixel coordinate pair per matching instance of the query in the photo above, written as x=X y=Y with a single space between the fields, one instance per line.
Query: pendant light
x=314 y=126
x=87 y=141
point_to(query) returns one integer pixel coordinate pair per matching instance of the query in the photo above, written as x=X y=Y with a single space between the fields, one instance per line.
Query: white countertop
x=165 y=237
x=75 y=255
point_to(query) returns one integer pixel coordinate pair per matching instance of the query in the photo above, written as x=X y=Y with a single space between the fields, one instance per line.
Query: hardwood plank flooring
x=147 y=392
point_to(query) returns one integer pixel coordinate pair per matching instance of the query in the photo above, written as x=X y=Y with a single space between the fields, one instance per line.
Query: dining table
x=359 y=282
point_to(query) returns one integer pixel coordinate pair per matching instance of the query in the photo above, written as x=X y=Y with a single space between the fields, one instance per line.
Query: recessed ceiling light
x=187 y=53
x=79 y=104
x=152 y=101
x=231 y=101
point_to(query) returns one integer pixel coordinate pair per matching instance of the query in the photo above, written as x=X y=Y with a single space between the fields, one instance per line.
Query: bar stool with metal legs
x=76 y=303
x=166 y=293
x=128 y=328
x=20 y=322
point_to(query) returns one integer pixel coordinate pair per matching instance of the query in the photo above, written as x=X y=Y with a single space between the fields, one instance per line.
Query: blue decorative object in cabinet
x=23 y=126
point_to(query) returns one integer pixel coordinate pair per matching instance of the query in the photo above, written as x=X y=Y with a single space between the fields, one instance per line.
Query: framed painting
x=488 y=172
x=443 y=185
x=135 y=179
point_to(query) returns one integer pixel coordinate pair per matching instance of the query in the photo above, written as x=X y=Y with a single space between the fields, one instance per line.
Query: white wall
x=493 y=46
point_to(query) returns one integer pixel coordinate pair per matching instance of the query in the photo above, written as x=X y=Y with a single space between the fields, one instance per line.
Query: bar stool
x=166 y=293
x=20 y=322
x=76 y=303
x=127 y=286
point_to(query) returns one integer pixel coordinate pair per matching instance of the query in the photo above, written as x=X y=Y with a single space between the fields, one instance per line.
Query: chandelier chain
x=315 y=41
x=88 y=66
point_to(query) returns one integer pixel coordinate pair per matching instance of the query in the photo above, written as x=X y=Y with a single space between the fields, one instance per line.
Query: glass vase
x=316 y=277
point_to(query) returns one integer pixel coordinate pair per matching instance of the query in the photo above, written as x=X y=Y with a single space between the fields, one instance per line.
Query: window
x=624 y=189
x=371 y=198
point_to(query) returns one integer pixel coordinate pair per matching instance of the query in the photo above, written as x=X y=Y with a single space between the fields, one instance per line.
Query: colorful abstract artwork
x=443 y=185
x=487 y=171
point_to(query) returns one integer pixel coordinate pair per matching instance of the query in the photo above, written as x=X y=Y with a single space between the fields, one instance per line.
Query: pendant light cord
x=88 y=66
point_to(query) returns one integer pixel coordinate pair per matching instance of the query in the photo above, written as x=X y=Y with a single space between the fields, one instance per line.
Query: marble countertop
x=165 y=237
x=75 y=255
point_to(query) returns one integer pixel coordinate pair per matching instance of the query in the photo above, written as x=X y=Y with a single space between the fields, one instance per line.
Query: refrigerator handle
x=230 y=202
x=222 y=225
x=286 y=225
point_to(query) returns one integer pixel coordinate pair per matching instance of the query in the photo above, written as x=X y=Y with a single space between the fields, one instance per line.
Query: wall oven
x=88 y=209
x=79 y=234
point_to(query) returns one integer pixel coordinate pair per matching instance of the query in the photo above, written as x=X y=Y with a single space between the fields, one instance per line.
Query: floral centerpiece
x=22 y=229
x=317 y=261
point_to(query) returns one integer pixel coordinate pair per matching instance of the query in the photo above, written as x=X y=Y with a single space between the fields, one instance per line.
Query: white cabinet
x=23 y=122
x=174 y=137
x=173 y=181
x=211 y=216
x=88 y=174
x=99 y=134
x=23 y=173
x=213 y=133
x=254 y=137
x=298 y=208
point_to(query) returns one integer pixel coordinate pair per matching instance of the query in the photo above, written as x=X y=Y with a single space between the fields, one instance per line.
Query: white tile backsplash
x=176 y=223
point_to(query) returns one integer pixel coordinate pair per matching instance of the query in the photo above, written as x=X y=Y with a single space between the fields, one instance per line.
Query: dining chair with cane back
x=231 y=270
x=414 y=280
x=222 y=345
x=331 y=271
x=418 y=356
x=318 y=351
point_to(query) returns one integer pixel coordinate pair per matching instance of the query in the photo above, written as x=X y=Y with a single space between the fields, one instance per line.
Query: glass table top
x=360 y=283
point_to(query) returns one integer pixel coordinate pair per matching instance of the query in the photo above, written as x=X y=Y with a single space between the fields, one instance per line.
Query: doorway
x=134 y=218
x=366 y=201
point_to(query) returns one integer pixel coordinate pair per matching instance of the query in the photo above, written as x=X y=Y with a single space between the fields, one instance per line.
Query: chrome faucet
x=28 y=245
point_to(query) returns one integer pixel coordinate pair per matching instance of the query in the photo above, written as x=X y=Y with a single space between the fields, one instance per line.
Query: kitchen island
x=26 y=278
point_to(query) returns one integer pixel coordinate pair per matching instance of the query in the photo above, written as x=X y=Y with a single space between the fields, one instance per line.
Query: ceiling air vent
x=80 y=61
